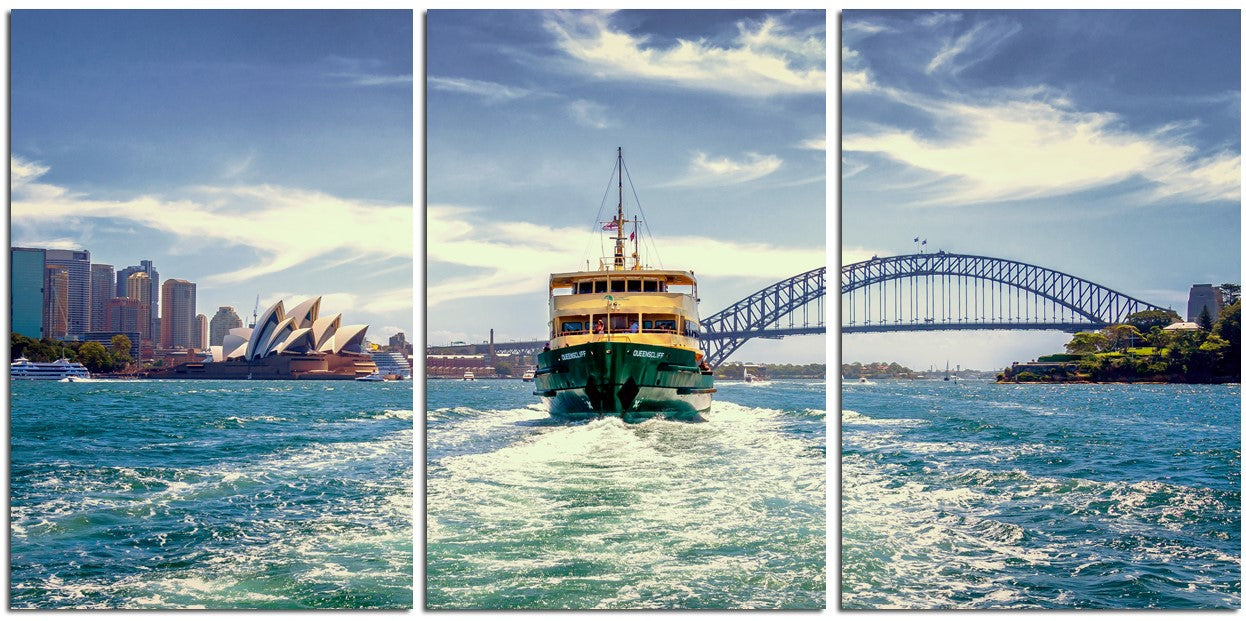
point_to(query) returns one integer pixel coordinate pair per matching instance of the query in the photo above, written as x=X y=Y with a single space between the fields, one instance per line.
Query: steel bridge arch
x=1099 y=305
x=728 y=329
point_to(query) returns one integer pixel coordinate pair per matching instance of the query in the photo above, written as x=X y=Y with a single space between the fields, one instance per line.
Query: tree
x=1204 y=319
x=1086 y=343
x=94 y=357
x=1147 y=319
x=1231 y=292
x=1121 y=335
x=119 y=348
x=1229 y=328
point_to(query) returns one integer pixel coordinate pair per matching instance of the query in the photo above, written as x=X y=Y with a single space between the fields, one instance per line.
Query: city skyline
x=1103 y=144
x=721 y=118
x=245 y=151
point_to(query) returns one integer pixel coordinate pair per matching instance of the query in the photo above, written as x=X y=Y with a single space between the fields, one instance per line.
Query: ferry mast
x=618 y=219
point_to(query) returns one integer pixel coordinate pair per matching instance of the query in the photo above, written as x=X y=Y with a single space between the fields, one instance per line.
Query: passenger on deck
x=635 y=327
x=600 y=328
x=546 y=346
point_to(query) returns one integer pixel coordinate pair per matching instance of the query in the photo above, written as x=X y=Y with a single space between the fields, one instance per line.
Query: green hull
x=622 y=379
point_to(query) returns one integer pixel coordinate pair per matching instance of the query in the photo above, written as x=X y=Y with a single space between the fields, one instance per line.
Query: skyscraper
x=56 y=301
x=177 y=326
x=103 y=289
x=123 y=315
x=26 y=291
x=77 y=264
x=201 y=331
x=145 y=266
x=224 y=319
x=138 y=287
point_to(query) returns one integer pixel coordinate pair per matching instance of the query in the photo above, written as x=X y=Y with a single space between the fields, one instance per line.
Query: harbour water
x=211 y=494
x=527 y=512
x=978 y=495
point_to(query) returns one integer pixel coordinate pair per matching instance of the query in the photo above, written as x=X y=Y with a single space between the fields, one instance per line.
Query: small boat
x=375 y=377
x=63 y=369
x=529 y=375
x=468 y=376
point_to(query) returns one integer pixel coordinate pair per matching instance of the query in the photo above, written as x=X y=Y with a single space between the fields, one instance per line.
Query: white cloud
x=509 y=258
x=287 y=227
x=373 y=80
x=1021 y=147
x=490 y=91
x=704 y=170
x=589 y=114
x=814 y=144
x=980 y=42
x=766 y=59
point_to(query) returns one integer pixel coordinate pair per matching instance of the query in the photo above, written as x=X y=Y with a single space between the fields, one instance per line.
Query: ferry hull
x=635 y=382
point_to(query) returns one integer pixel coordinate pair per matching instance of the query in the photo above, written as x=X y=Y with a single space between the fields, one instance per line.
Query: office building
x=222 y=322
x=124 y=315
x=103 y=289
x=26 y=291
x=138 y=287
x=77 y=264
x=56 y=301
x=177 y=315
x=201 y=331
x=145 y=266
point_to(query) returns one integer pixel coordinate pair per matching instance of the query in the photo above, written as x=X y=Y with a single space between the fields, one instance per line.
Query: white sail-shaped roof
x=218 y=353
x=264 y=328
x=323 y=330
x=305 y=313
x=349 y=339
x=279 y=335
x=243 y=332
x=230 y=343
x=299 y=342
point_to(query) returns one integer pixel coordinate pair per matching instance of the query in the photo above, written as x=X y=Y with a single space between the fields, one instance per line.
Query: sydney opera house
x=299 y=344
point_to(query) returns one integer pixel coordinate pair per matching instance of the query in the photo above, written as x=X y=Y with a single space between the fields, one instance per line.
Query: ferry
x=468 y=376
x=624 y=338
x=23 y=369
x=529 y=375
x=373 y=377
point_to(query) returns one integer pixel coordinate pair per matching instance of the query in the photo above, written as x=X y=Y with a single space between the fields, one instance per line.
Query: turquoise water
x=216 y=494
x=976 y=495
x=527 y=512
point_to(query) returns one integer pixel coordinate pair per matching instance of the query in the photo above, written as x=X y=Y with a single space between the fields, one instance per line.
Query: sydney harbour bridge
x=935 y=291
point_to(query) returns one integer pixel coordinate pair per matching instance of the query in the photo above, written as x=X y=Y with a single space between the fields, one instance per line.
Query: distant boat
x=63 y=369
x=529 y=375
x=947 y=371
x=375 y=377
x=468 y=376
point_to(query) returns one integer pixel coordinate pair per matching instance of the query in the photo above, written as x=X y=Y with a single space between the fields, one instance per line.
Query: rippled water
x=1072 y=496
x=216 y=494
x=527 y=512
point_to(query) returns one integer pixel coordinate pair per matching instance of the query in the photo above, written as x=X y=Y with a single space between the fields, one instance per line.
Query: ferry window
x=690 y=329
x=664 y=325
x=633 y=285
x=662 y=286
x=562 y=291
x=622 y=323
x=684 y=289
x=647 y=324
x=651 y=285
x=616 y=285
x=599 y=286
x=584 y=287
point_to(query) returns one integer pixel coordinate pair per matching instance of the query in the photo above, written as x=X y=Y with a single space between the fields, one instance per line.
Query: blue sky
x=254 y=153
x=721 y=116
x=1105 y=144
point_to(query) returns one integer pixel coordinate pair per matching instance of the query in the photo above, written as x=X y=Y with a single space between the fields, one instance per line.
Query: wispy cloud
x=367 y=79
x=814 y=144
x=705 y=170
x=365 y=72
x=1022 y=147
x=971 y=47
x=287 y=227
x=589 y=114
x=510 y=258
x=490 y=91
x=765 y=59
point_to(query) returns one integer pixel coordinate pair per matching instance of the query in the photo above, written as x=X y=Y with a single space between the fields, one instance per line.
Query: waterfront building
x=56 y=301
x=77 y=264
x=177 y=316
x=26 y=280
x=201 y=331
x=222 y=322
x=103 y=289
x=1204 y=296
x=145 y=266
x=391 y=363
x=138 y=287
x=398 y=343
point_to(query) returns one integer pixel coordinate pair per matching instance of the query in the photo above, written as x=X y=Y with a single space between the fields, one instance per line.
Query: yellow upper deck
x=657 y=307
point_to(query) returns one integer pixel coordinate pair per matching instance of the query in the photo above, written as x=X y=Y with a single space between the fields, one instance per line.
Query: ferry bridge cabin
x=655 y=307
